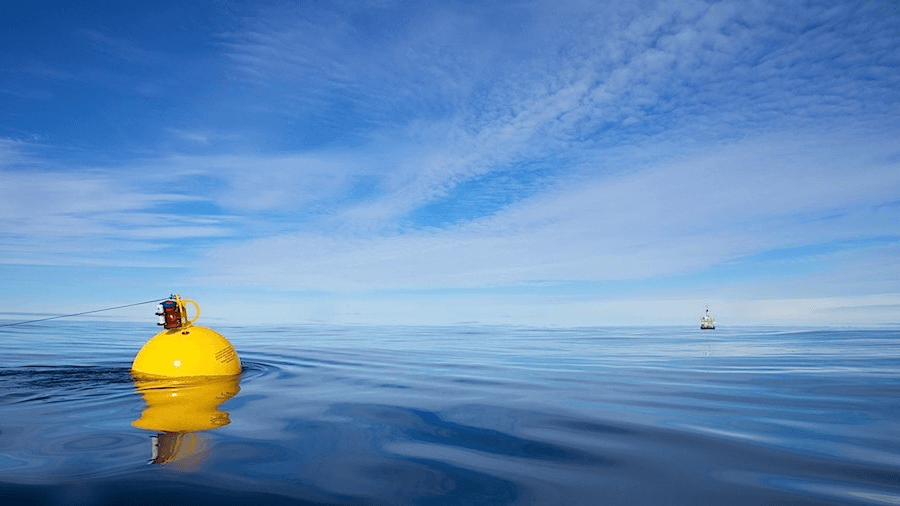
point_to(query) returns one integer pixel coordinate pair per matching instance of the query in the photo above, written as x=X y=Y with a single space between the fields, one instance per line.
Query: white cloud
x=597 y=79
x=198 y=137
x=741 y=199
x=88 y=216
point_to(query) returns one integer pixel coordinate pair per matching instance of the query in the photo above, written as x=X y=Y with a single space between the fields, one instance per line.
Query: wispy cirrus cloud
x=739 y=200
x=67 y=215
x=597 y=79
x=595 y=93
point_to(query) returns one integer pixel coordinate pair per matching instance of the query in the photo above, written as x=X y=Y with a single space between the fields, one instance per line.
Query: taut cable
x=79 y=314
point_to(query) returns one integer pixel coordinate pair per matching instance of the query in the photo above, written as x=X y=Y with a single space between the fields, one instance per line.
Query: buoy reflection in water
x=178 y=408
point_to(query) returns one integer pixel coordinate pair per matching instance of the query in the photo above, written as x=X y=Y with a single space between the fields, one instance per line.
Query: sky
x=548 y=163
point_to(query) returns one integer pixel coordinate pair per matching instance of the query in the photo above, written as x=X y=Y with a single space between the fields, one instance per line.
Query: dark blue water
x=463 y=415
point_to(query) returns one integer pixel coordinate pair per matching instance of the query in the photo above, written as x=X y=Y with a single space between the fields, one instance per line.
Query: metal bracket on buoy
x=172 y=313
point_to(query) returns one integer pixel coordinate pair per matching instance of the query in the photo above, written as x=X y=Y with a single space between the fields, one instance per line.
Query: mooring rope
x=79 y=314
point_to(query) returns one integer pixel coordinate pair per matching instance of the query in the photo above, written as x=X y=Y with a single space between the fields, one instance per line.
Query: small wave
x=253 y=370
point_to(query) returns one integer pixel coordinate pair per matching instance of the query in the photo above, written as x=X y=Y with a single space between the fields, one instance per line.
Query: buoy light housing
x=185 y=349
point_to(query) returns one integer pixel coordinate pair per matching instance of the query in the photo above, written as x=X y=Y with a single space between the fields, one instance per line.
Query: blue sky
x=540 y=163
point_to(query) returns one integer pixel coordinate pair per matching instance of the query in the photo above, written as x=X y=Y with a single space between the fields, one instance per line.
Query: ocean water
x=457 y=415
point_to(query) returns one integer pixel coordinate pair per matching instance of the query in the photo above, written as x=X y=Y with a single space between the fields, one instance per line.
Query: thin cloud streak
x=739 y=200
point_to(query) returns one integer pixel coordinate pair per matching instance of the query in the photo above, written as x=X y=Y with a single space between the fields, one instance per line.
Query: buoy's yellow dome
x=187 y=351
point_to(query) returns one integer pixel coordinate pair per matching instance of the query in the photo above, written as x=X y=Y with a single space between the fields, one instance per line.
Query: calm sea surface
x=457 y=415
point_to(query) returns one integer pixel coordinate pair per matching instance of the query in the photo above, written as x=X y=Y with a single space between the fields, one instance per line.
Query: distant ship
x=707 y=322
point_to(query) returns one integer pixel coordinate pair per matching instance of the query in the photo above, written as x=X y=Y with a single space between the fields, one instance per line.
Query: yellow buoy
x=185 y=349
